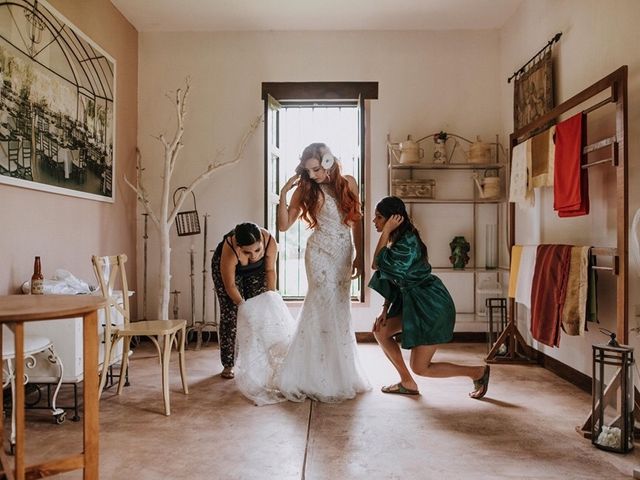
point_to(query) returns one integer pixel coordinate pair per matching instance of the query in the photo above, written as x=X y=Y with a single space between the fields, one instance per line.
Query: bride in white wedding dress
x=322 y=362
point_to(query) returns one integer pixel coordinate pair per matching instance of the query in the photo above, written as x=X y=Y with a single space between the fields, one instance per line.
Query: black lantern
x=612 y=398
x=187 y=222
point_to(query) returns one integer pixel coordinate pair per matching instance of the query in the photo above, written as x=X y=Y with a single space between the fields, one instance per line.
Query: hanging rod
x=611 y=141
x=555 y=38
x=597 y=162
x=607 y=252
x=604 y=251
x=600 y=144
x=604 y=102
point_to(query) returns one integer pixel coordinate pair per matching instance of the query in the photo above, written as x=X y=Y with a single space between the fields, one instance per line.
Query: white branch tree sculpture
x=166 y=216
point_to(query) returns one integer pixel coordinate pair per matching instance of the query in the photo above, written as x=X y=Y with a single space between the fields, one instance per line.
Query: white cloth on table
x=264 y=331
x=62 y=283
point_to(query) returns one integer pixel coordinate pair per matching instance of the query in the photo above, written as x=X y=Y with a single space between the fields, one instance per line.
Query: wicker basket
x=414 y=188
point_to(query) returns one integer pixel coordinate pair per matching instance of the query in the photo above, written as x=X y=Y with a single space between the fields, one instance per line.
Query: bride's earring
x=328 y=175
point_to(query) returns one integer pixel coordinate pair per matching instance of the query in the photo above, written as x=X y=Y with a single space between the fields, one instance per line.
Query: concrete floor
x=523 y=429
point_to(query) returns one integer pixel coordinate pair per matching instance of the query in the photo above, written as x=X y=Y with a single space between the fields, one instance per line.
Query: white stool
x=33 y=344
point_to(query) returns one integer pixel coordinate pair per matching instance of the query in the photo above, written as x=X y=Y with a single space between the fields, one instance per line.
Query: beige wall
x=598 y=37
x=428 y=81
x=65 y=231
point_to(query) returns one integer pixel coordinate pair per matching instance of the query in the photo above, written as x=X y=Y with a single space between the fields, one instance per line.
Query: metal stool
x=496 y=308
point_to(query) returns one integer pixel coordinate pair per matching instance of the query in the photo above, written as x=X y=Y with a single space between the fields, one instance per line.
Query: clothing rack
x=616 y=83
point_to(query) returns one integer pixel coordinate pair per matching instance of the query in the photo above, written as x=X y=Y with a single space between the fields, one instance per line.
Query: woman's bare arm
x=228 y=262
x=287 y=215
x=357 y=268
x=391 y=224
x=271 y=256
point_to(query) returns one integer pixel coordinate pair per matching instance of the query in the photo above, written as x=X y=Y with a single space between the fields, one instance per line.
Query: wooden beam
x=320 y=90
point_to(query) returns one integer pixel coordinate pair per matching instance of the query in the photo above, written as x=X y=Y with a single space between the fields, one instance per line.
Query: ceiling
x=325 y=15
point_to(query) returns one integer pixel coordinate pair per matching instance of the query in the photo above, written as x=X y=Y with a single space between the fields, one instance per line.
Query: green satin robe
x=405 y=280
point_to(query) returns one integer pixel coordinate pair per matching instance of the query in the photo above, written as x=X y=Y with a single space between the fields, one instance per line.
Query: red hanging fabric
x=571 y=182
x=548 y=292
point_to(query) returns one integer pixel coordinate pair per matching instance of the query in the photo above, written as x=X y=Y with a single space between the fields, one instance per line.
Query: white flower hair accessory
x=327 y=159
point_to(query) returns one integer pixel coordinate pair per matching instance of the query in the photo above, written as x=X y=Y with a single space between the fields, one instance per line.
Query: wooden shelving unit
x=456 y=171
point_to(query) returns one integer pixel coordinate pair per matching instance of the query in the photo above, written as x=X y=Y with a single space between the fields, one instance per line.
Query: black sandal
x=481 y=385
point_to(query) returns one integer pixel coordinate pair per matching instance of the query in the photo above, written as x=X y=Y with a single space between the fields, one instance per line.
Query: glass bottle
x=491 y=246
x=37 y=279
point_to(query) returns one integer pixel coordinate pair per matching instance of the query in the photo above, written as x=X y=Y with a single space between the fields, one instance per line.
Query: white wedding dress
x=322 y=362
x=264 y=331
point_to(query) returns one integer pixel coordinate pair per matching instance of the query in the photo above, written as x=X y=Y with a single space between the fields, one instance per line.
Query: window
x=291 y=124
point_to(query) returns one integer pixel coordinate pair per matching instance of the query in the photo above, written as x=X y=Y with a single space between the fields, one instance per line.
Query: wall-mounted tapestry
x=57 y=104
x=533 y=91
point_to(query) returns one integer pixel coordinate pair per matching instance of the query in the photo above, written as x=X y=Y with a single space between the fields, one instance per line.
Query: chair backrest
x=108 y=271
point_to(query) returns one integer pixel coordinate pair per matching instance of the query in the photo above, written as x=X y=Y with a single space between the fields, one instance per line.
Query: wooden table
x=14 y=311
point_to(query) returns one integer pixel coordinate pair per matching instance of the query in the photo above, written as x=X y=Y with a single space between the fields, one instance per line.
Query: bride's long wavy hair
x=348 y=202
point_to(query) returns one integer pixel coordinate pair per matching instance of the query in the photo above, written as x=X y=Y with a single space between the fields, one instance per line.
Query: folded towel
x=592 y=289
x=548 y=292
x=516 y=253
x=525 y=274
x=520 y=190
x=575 y=304
x=571 y=182
x=542 y=158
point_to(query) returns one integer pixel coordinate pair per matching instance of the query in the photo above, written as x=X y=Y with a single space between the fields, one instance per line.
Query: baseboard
x=469 y=337
x=458 y=337
x=365 y=337
x=564 y=371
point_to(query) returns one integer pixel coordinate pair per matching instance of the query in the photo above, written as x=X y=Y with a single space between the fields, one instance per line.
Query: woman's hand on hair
x=292 y=182
x=393 y=222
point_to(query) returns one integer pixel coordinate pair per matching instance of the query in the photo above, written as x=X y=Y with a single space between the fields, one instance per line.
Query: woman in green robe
x=417 y=304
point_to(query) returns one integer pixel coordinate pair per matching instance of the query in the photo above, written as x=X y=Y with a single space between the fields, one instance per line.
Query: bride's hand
x=357 y=268
x=292 y=182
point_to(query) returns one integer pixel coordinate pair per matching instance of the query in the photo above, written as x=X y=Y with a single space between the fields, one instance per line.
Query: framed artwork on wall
x=57 y=104
x=533 y=92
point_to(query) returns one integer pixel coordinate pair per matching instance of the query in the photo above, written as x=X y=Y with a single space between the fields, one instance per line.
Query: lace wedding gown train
x=322 y=362
x=264 y=331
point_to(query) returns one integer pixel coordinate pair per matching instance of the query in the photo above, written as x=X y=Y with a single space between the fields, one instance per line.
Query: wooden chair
x=161 y=332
